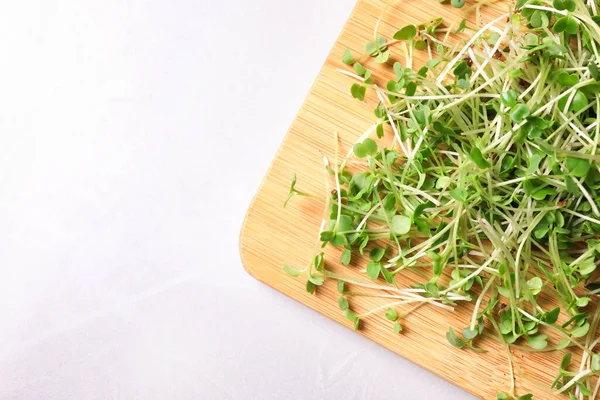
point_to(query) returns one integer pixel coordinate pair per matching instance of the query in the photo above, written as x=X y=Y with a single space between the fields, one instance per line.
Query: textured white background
x=133 y=135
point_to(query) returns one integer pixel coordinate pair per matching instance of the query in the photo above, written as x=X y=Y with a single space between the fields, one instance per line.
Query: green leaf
x=457 y=3
x=363 y=244
x=421 y=208
x=292 y=192
x=367 y=77
x=389 y=202
x=520 y=113
x=493 y=38
x=587 y=265
x=359 y=150
x=373 y=270
x=339 y=240
x=462 y=83
x=572 y=26
x=310 y=287
x=469 y=334
x=534 y=163
x=538 y=342
x=345 y=224
x=380 y=111
x=552 y=316
x=382 y=57
x=459 y=194
x=581 y=331
x=541 y=231
x=566 y=79
x=453 y=339
x=347 y=57
x=370 y=146
x=478 y=158
x=535 y=285
x=579 y=102
x=577 y=320
x=400 y=225
x=343 y=303
x=407 y=33
x=391 y=314
x=563 y=344
x=566 y=24
x=387 y=275
x=571 y=186
x=442 y=182
x=434 y=62
x=377 y=254
x=566 y=360
x=582 y=301
x=316 y=280
x=319 y=261
x=346 y=256
x=367 y=148
x=371 y=49
x=578 y=167
x=515 y=73
x=420 y=45
x=568 y=5
x=509 y=98
x=432 y=289
x=411 y=89
x=504 y=291
x=542 y=193
x=398 y=70
x=532 y=39
x=348 y=313
x=520 y=3
x=553 y=48
x=462 y=70
x=393 y=87
x=291 y=271
x=594 y=72
x=537 y=189
x=539 y=19
x=397 y=327
x=502 y=396
x=358 y=91
x=527 y=396
x=340 y=287
x=582 y=389
x=462 y=26
x=381 y=43
x=596 y=362
x=360 y=70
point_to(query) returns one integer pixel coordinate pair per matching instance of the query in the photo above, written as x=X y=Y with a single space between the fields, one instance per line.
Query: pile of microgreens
x=490 y=189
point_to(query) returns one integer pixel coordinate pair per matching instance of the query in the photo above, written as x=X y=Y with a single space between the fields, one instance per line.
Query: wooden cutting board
x=273 y=235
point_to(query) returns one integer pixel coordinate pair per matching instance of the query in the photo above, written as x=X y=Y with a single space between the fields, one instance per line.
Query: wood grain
x=272 y=236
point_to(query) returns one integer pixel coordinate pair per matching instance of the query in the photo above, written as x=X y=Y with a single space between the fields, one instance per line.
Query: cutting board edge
x=261 y=272
x=247 y=216
x=257 y=273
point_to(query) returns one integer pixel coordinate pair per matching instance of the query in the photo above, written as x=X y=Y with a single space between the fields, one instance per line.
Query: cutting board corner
x=272 y=235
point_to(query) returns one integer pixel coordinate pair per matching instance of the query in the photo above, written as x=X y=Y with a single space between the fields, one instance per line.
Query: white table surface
x=133 y=135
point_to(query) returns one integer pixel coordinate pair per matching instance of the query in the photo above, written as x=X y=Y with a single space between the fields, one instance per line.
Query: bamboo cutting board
x=273 y=235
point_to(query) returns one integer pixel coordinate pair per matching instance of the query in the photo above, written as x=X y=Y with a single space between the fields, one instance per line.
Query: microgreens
x=489 y=191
